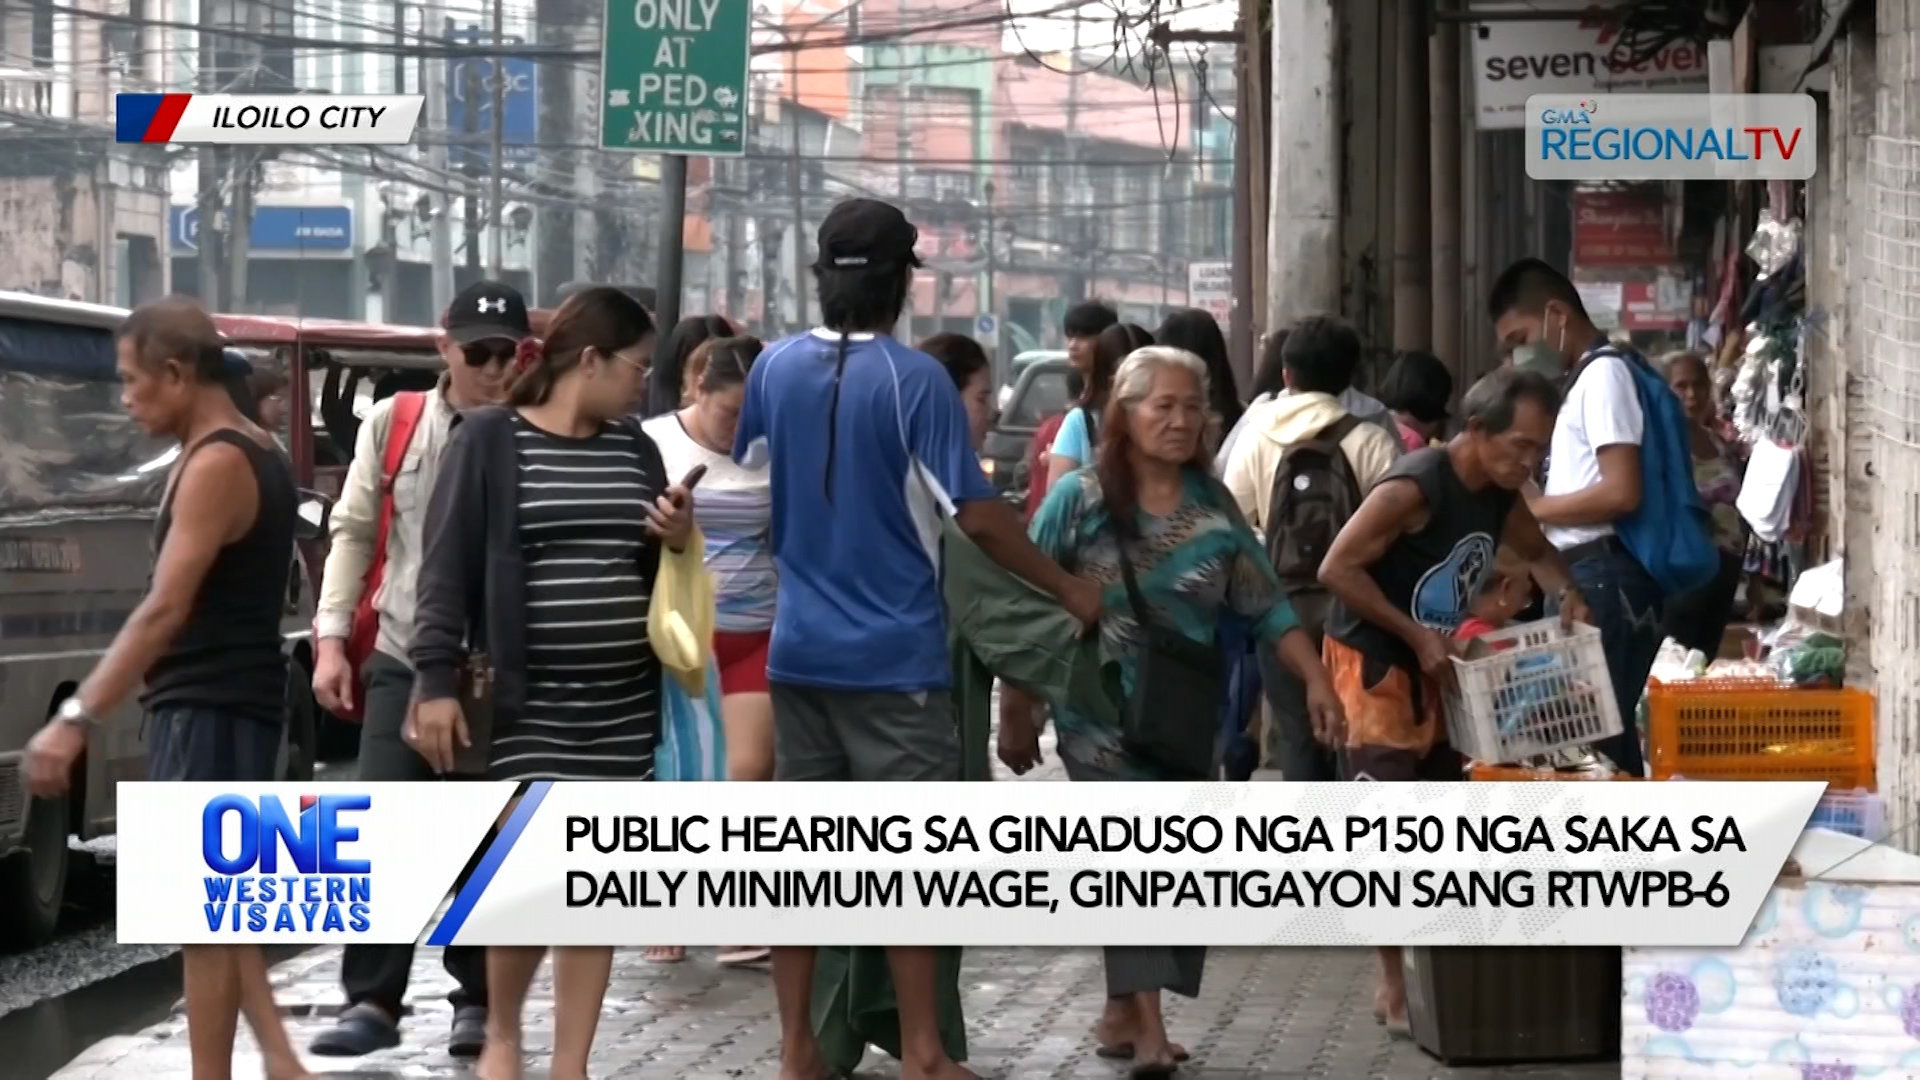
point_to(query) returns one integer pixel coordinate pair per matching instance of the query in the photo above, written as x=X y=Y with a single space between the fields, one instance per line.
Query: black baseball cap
x=486 y=310
x=866 y=232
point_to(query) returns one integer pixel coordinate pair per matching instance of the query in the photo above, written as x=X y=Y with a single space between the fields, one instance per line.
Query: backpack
x=1670 y=534
x=1314 y=493
x=365 y=631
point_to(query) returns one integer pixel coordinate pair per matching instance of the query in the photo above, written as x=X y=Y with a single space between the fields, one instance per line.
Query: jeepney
x=80 y=487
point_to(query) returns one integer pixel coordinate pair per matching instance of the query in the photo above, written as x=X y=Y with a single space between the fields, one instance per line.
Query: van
x=80 y=488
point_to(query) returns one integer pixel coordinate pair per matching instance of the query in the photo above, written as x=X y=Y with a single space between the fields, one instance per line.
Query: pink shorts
x=742 y=659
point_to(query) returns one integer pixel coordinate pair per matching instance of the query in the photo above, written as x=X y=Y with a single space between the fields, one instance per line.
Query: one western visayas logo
x=316 y=887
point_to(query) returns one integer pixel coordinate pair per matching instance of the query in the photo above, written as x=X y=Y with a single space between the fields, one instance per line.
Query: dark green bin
x=1485 y=1005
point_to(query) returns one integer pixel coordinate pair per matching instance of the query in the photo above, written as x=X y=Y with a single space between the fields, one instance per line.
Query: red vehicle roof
x=335 y=333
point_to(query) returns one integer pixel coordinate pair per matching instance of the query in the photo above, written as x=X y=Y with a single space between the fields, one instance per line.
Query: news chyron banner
x=1675 y=864
x=268 y=119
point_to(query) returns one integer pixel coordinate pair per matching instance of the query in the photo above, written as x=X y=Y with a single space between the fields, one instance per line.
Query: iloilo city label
x=674 y=76
x=1671 y=137
x=267 y=119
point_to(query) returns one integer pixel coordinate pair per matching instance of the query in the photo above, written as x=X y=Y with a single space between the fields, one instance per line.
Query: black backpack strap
x=1337 y=432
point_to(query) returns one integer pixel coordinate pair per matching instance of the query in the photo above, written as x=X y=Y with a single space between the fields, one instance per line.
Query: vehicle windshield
x=65 y=440
x=1043 y=395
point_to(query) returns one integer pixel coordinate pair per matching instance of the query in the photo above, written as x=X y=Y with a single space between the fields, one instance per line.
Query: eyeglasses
x=482 y=353
x=642 y=364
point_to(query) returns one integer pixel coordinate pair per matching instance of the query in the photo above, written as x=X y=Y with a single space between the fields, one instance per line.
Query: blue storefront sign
x=470 y=84
x=300 y=230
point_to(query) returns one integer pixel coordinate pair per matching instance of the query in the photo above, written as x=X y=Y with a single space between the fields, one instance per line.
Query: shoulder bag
x=1176 y=689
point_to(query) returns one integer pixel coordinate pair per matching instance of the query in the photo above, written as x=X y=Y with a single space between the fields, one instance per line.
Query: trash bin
x=1483 y=1004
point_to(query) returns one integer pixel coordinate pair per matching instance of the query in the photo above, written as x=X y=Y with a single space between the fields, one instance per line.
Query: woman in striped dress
x=557 y=587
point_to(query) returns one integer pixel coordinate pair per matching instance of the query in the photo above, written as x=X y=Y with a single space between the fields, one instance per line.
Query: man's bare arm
x=1522 y=534
x=1391 y=510
x=214 y=503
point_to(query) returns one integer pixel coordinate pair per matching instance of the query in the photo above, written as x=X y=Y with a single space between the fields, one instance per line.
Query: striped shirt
x=734 y=508
x=593 y=684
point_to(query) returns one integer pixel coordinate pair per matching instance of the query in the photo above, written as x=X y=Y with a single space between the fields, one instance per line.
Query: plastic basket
x=1544 y=689
x=1503 y=773
x=1756 y=729
x=1856 y=813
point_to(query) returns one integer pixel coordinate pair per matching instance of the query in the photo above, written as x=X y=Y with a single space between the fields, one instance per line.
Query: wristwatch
x=72 y=712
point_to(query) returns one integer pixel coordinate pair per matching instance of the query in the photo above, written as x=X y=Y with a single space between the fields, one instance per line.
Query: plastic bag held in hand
x=680 y=620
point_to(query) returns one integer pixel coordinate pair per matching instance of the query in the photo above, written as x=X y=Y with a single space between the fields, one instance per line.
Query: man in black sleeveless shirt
x=205 y=639
x=1404 y=572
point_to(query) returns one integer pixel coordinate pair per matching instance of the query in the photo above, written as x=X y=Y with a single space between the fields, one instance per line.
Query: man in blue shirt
x=868 y=450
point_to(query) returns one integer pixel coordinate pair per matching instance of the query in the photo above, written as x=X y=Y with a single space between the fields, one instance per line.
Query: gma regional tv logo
x=275 y=870
x=1671 y=137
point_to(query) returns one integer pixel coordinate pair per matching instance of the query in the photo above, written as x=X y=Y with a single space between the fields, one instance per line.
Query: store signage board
x=296 y=230
x=1664 y=303
x=1515 y=60
x=1625 y=229
x=1210 y=288
x=674 y=76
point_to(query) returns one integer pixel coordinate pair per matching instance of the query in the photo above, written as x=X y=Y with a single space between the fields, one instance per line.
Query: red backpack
x=365 y=631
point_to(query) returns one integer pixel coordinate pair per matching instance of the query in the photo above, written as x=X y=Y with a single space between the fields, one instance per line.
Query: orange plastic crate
x=1515 y=772
x=1755 y=729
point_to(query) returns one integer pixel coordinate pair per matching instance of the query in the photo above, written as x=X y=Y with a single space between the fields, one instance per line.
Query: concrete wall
x=51 y=230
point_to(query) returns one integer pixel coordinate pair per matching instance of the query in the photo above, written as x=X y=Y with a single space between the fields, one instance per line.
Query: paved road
x=1265 y=1013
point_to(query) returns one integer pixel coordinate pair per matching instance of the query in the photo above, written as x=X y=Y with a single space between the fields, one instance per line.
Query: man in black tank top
x=205 y=640
x=1404 y=572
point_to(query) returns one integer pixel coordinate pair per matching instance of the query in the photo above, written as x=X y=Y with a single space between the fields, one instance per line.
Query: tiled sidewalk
x=1265 y=1013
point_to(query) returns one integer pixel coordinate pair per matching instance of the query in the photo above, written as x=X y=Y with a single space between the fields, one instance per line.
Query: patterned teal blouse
x=1190 y=564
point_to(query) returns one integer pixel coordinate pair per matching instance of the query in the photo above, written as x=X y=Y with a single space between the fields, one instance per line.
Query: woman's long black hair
x=670 y=364
x=1198 y=332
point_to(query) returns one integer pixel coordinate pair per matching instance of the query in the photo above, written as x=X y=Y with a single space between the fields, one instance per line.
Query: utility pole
x=992 y=298
x=246 y=162
x=554 y=239
x=498 y=162
x=208 y=203
x=800 y=316
x=470 y=166
x=673 y=235
x=1443 y=80
x=389 y=212
x=1303 y=250
x=902 y=330
x=1081 y=288
x=442 y=224
x=1413 y=173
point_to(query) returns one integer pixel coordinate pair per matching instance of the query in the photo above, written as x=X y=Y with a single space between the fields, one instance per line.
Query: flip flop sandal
x=1142 y=1072
x=357 y=1031
x=744 y=957
x=669 y=958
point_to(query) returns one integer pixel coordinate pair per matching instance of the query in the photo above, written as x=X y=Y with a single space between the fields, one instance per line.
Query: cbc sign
x=481 y=75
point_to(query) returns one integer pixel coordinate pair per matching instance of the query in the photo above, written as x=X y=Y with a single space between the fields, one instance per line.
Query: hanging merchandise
x=1775 y=241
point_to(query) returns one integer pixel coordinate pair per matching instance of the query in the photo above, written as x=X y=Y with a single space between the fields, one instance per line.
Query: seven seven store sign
x=1671 y=137
x=674 y=73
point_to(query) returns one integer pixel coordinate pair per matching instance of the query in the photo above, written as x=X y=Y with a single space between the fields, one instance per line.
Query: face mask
x=1540 y=358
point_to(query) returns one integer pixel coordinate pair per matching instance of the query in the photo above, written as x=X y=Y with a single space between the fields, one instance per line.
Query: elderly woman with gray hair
x=1168 y=545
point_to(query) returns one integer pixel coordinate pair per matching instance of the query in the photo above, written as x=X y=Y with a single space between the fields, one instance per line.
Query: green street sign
x=674 y=76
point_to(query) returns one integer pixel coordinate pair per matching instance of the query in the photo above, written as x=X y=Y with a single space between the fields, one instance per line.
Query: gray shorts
x=842 y=735
x=198 y=743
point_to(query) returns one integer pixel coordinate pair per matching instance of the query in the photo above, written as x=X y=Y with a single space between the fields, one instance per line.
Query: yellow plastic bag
x=680 y=618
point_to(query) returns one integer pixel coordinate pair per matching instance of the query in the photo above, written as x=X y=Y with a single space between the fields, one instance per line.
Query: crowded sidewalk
x=1264 y=1013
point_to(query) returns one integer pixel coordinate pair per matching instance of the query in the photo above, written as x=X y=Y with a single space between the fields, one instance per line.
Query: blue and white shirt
x=857 y=517
x=734 y=508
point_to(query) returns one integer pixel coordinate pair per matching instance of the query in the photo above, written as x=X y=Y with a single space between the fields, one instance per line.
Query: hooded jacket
x=1272 y=427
